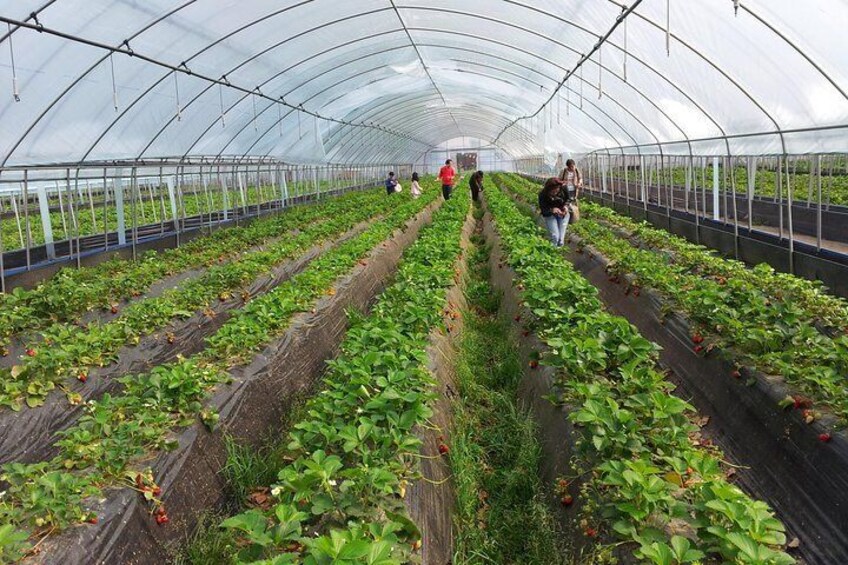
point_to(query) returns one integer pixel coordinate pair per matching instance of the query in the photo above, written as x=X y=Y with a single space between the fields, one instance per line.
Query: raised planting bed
x=65 y=351
x=118 y=436
x=792 y=458
x=71 y=293
x=777 y=324
x=349 y=492
x=653 y=486
x=27 y=435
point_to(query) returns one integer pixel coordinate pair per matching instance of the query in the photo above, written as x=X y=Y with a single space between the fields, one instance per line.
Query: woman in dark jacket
x=476 y=183
x=553 y=206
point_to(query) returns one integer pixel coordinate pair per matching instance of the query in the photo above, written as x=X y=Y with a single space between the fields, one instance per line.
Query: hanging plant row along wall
x=648 y=480
x=773 y=322
x=65 y=351
x=341 y=499
x=72 y=292
x=117 y=432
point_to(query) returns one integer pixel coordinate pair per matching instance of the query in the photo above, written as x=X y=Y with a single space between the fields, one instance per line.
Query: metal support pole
x=118 y=184
x=779 y=186
x=46 y=224
x=716 y=215
x=752 y=179
x=819 y=207
x=789 y=218
x=26 y=221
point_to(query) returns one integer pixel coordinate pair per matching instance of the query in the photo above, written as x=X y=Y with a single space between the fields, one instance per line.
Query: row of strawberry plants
x=811 y=297
x=147 y=211
x=71 y=292
x=648 y=479
x=116 y=431
x=340 y=499
x=834 y=188
x=738 y=310
x=66 y=350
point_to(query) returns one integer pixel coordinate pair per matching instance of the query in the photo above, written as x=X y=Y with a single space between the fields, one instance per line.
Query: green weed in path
x=501 y=516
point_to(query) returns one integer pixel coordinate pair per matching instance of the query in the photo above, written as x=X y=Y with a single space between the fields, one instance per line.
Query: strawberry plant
x=637 y=442
x=340 y=499
x=776 y=323
x=82 y=348
x=116 y=431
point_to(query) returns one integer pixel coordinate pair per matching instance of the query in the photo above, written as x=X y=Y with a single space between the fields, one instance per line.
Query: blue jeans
x=556 y=228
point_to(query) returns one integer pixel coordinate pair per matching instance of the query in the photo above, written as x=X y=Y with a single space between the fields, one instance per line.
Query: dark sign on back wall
x=466 y=161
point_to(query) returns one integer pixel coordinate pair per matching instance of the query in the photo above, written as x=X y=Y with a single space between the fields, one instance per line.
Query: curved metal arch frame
x=306 y=32
x=613 y=98
x=182 y=68
x=267 y=17
x=269 y=106
x=431 y=124
x=610 y=71
x=468 y=120
x=254 y=57
x=610 y=118
x=245 y=96
x=771 y=27
x=613 y=120
x=601 y=126
x=401 y=105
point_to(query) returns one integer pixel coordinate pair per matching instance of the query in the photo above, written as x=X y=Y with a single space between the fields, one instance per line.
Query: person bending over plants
x=553 y=206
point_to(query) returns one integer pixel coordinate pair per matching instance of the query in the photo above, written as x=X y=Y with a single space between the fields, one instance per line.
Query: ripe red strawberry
x=533 y=364
x=697 y=338
x=160 y=511
x=93 y=520
x=824 y=437
x=443 y=449
x=567 y=500
x=31 y=352
x=698 y=348
x=162 y=520
x=82 y=377
x=114 y=309
x=736 y=374
x=591 y=532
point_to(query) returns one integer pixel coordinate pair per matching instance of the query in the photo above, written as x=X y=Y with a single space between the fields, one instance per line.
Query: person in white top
x=571 y=179
x=416 y=188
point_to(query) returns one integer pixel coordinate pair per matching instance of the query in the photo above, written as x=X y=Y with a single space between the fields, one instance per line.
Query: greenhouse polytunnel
x=395 y=281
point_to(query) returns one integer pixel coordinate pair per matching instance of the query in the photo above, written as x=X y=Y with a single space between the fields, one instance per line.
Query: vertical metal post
x=134 y=211
x=819 y=207
x=735 y=214
x=105 y=212
x=46 y=224
x=716 y=216
x=26 y=220
x=752 y=180
x=695 y=198
x=789 y=218
x=118 y=185
x=779 y=187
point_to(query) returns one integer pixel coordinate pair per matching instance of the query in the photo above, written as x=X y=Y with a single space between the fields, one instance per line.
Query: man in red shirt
x=447 y=175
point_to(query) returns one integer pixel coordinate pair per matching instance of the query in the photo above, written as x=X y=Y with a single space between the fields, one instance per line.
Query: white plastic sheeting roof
x=383 y=80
